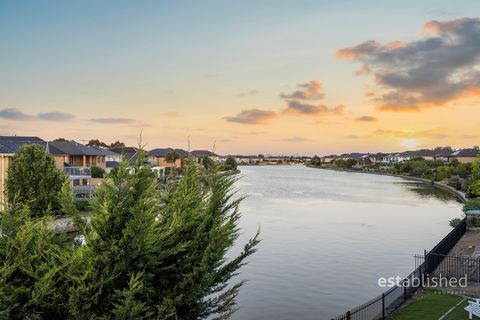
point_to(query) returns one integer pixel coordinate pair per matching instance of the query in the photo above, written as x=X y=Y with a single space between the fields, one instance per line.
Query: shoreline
x=459 y=195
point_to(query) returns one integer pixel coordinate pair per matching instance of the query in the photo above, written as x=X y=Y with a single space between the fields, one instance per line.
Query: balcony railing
x=81 y=172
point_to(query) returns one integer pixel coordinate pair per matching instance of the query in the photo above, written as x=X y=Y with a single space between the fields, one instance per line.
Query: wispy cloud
x=435 y=70
x=352 y=136
x=432 y=134
x=114 y=120
x=366 y=119
x=15 y=115
x=297 y=107
x=295 y=139
x=120 y=121
x=252 y=116
x=56 y=116
x=308 y=91
x=248 y=93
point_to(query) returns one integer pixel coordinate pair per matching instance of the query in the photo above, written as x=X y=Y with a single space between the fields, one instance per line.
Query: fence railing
x=454 y=267
x=77 y=171
x=384 y=305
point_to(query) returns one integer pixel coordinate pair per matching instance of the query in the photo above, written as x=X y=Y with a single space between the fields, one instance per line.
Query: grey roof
x=162 y=152
x=128 y=153
x=353 y=155
x=10 y=144
x=419 y=153
x=76 y=149
x=443 y=153
x=112 y=164
x=465 y=153
x=203 y=153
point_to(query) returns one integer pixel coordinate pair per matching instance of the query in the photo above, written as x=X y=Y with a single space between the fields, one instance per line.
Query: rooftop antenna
x=214 y=147
x=188 y=141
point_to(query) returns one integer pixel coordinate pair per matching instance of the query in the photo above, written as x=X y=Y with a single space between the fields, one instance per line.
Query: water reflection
x=427 y=191
x=328 y=236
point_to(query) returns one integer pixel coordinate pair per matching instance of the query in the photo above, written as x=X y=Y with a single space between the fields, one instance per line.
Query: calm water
x=328 y=236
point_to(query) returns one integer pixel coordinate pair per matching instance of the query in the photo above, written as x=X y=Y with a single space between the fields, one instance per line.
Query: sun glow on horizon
x=410 y=143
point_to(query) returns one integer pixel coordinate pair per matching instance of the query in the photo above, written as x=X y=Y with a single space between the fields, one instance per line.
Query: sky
x=243 y=77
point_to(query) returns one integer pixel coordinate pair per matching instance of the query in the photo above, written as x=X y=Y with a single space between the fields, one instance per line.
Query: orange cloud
x=311 y=90
x=252 y=116
x=435 y=70
x=366 y=119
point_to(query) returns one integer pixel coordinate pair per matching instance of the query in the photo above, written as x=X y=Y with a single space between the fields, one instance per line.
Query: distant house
x=129 y=154
x=76 y=160
x=200 y=154
x=464 y=155
x=328 y=159
x=159 y=157
x=354 y=155
x=442 y=155
x=75 y=154
x=378 y=158
x=427 y=154
x=8 y=146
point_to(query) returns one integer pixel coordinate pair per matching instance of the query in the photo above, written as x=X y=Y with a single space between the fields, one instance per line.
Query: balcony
x=77 y=172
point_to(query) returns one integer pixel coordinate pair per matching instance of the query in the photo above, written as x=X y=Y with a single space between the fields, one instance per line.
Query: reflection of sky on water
x=328 y=236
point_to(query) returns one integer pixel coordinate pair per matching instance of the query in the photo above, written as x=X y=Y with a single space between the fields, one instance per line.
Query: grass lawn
x=459 y=313
x=430 y=306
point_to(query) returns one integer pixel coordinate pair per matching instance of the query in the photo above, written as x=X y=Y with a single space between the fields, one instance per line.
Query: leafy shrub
x=454 y=222
x=472 y=204
x=97 y=172
x=230 y=163
x=82 y=205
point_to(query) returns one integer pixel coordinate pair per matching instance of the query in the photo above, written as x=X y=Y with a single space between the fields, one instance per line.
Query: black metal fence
x=384 y=305
x=454 y=267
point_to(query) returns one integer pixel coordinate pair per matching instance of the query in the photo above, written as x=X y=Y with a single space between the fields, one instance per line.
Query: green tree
x=474 y=185
x=350 y=163
x=97 y=172
x=142 y=260
x=208 y=163
x=172 y=157
x=96 y=143
x=117 y=144
x=31 y=283
x=34 y=181
x=315 y=161
x=230 y=163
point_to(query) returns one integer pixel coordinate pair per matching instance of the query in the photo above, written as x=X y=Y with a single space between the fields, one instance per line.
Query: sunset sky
x=272 y=77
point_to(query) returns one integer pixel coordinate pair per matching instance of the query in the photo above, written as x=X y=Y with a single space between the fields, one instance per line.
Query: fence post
x=348 y=315
x=426 y=261
x=383 y=306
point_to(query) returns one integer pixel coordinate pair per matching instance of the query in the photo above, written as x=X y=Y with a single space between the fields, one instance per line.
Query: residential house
x=159 y=157
x=75 y=154
x=8 y=146
x=200 y=154
x=354 y=155
x=378 y=158
x=442 y=154
x=328 y=159
x=76 y=160
x=464 y=155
